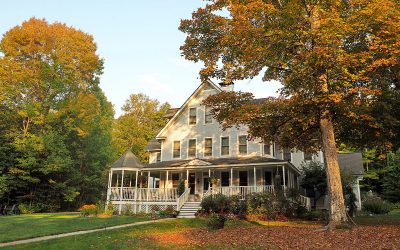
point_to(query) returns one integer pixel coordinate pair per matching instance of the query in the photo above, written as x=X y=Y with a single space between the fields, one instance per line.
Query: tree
x=333 y=58
x=314 y=178
x=141 y=120
x=56 y=125
x=391 y=184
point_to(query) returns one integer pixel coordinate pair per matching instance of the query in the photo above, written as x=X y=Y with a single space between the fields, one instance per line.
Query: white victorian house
x=192 y=146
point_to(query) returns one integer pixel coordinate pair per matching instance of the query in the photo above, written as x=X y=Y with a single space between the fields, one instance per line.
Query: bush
x=169 y=212
x=375 y=205
x=237 y=206
x=181 y=187
x=216 y=221
x=26 y=209
x=317 y=215
x=87 y=210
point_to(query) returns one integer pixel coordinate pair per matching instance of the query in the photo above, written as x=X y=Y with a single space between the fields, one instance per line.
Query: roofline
x=145 y=168
x=183 y=105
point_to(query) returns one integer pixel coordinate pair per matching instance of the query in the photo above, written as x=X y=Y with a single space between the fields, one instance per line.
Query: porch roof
x=218 y=162
x=127 y=161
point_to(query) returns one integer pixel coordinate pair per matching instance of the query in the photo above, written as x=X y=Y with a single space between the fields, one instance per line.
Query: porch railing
x=182 y=199
x=241 y=191
x=143 y=194
x=306 y=201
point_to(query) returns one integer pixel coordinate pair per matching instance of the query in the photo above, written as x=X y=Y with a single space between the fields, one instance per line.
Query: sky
x=138 y=40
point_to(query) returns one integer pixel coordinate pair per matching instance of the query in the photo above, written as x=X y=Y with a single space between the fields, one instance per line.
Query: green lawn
x=34 y=225
x=393 y=218
x=127 y=238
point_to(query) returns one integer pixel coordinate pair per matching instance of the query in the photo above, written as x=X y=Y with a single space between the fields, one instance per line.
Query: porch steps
x=189 y=210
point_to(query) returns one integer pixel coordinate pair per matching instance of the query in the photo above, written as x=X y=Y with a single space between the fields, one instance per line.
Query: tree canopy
x=141 y=120
x=334 y=58
x=55 y=120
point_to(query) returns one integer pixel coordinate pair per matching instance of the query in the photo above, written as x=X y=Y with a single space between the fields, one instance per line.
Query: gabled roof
x=153 y=145
x=174 y=117
x=127 y=160
x=351 y=163
x=170 y=113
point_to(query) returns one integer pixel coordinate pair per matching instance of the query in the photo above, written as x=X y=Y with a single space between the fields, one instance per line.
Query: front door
x=243 y=178
x=192 y=182
x=268 y=178
x=206 y=183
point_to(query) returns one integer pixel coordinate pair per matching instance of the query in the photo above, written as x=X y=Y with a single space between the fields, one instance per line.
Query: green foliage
x=375 y=205
x=142 y=118
x=181 y=187
x=55 y=129
x=26 y=209
x=216 y=221
x=391 y=180
x=169 y=212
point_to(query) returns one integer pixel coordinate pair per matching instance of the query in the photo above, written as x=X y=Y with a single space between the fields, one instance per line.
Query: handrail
x=180 y=201
x=143 y=194
x=306 y=201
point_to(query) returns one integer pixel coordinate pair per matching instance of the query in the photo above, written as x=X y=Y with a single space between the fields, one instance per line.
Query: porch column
x=289 y=180
x=109 y=187
x=231 y=177
x=120 y=196
x=148 y=188
x=255 y=177
x=187 y=178
x=209 y=179
x=166 y=185
x=136 y=190
x=284 y=178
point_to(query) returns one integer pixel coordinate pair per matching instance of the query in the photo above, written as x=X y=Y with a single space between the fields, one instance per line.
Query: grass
x=393 y=218
x=34 y=225
x=127 y=238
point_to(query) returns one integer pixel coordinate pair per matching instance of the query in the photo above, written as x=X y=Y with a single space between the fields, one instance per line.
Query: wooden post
x=231 y=177
x=187 y=178
x=284 y=179
x=166 y=186
x=255 y=177
x=148 y=189
x=109 y=187
x=120 y=195
x=136 y=190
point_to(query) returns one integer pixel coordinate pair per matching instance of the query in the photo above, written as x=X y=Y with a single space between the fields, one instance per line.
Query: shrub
x=181 y=187
x=169 y=212
x=216 y=221
x=376 y=205
x=26 y=209
x=237 y=206
x=208 y=204
x=317 y=215
x=87 y=210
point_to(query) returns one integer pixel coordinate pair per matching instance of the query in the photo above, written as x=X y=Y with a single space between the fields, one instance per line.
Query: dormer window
x=192 y=116
x=207 y=115
x=266 y=148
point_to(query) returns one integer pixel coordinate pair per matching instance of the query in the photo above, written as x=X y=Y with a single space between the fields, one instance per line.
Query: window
x=207 y=115
x=158 y=157
x=177 y=149
x=266 y=148
x=208 y=147
x=287 y=154
x=192 y=116
x=224 y=179
x=192 y=148
x=243 y=144
x=307 y=157
x=175 y=180
x=225 y=145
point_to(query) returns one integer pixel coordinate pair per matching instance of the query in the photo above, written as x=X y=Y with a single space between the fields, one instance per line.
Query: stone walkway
x=49 y=237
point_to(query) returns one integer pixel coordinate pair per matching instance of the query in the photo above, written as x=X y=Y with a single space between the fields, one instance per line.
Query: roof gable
x=204 y=85
x=127 y=160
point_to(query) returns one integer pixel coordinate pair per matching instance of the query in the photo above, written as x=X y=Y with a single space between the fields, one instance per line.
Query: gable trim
x=159 y=135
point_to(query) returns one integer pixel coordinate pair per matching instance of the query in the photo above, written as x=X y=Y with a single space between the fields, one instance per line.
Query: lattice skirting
x=134 y=207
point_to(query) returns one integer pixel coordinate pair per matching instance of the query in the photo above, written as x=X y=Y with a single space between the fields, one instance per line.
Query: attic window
x=287 y=154
x=192 y=116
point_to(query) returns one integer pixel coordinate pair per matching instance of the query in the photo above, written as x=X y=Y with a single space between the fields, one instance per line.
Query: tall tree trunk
x=337 y=209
